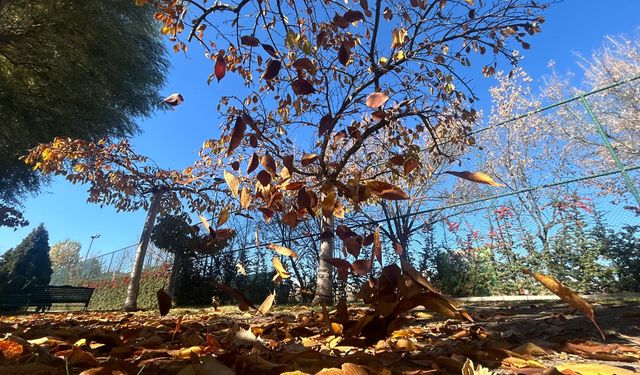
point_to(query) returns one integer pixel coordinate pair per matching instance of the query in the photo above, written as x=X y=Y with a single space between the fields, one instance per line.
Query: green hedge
x=110 y=293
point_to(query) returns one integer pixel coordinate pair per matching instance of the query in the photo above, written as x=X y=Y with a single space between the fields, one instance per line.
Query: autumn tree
x=71 y=68
x=65 y=259
x=345 y=75
x=118 y=176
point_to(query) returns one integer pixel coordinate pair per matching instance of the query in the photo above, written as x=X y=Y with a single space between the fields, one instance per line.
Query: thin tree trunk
x=175 y=268
x=131 y=303
x=324 y=280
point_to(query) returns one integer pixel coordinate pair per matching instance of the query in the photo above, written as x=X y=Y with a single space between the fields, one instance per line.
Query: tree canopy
x=83 y=69
x=27 y=264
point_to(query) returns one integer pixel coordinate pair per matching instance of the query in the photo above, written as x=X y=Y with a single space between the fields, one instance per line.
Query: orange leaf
x=567 y=295
x=282 y=250
x=376 y=99
x=10 y=349
x=377 y=246
x=479 y=177
x=245 y=198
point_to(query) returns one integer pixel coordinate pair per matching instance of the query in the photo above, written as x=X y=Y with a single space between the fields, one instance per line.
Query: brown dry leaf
x=207 y=365
x=301 y=86
x=164 y=301
x=77 y=357
x=282 y=250
x=237 y=134
x=377 y=246
x=479 y=177
x=308 y=159
x=249 y=40
x=361 y=267
x=567 y=295
x=233 y=183
x=386 y=190
x=174 y=99
x=269 y=163
x=529 y=349
x=344 y=55
x=245 y=198
x=253 y=163
x=398 y=36
x=223 y=217
x=113 y=368
x=264 y=178
x=290 y=218
x=272 y=69
x=237 y=294
x=325 y=124
x=267 y=303
x=376 y=99
x=280 y=271
x=408 y=270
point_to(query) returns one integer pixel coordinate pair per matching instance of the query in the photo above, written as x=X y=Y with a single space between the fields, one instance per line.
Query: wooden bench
x=42 y=297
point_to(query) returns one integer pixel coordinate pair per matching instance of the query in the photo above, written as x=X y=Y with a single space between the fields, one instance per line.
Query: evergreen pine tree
x=27 y=264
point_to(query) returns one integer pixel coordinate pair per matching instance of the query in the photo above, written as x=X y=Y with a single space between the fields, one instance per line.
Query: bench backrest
x=60 y=294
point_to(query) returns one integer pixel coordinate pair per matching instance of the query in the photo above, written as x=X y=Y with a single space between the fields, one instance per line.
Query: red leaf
x=221 y=67
x=301 y=86
x=272 y=70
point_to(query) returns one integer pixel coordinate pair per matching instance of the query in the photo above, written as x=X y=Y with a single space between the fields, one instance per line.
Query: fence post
x=627 y=180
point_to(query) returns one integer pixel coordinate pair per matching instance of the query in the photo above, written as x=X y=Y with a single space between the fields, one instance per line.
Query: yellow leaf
x=266 y=305
x=398 y=37
x=233 y=183
x=593 y=369
x=282 y=250
x=281 y=272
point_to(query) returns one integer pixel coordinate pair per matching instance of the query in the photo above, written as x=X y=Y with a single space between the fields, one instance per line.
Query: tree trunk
x=324 y=280
x=131 y=303
x=175 y=268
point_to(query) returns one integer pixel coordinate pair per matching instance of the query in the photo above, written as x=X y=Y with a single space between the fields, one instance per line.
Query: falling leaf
x=282 y=250
x=174 y=99
x=386 y=190
x=567 y=295
x=233 y=183
x=164 y=301
x=376 y=99
x=280 y=271
x=237 y=134
x=220 y=67
x=361 y=267
x=272 y=69
x=237 y=294
x=353 y=16
x=479 y=177
x=205 y=223
x=267 y=303
x=376 y=251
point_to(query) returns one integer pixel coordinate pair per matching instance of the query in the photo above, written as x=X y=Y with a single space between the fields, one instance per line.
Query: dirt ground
x=524 y=338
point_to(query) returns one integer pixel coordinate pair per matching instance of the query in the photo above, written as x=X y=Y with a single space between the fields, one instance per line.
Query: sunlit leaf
x=567 y=295
x=282 y=250
x=223 y=216
x=377 y=246
x=280 y=271
x=245 y=198
x=479 y=177
x=233 y=183
x=376 y=99
x=267 y=303
x=269 y=163
x=220 y=67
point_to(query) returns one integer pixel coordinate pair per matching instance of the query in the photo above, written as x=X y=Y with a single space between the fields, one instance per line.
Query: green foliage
x=469 y=272
x=111 y=291
x=624 y=250
x=27 y=264
x=72 y=68
x=173 y=233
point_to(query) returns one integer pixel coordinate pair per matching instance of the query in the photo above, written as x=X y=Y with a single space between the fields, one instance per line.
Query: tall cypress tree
x=27 y=264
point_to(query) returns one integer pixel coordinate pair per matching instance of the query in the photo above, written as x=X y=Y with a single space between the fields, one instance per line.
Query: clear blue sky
x=173 y=138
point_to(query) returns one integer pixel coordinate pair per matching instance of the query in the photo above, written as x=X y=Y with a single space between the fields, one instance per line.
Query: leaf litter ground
x=546 y=338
